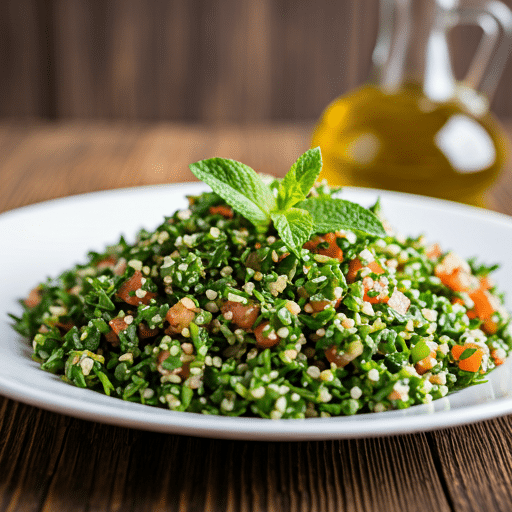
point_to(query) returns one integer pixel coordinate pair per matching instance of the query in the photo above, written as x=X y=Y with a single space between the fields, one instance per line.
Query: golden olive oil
x=404 y=141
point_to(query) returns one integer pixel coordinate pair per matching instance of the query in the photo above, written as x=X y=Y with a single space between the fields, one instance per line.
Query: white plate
x=44 y=239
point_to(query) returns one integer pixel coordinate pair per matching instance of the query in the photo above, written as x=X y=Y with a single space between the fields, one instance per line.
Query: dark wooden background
x=192 y=60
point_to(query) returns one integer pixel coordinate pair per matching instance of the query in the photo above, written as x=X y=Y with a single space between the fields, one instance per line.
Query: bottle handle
x=495 y=19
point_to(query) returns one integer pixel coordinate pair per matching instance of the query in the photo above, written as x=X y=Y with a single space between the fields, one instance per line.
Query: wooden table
x=50 y=462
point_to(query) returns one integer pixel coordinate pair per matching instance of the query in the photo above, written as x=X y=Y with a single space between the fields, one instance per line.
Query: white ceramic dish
x=44 y=239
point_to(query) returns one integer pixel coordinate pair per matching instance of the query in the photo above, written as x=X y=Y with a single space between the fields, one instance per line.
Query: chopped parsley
x=270 y=300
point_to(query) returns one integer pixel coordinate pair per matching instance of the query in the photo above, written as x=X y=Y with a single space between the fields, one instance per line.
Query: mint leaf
x=298 y=181
x=240 y=186
x=334 y=214
x=294 y=226
x=295 y=217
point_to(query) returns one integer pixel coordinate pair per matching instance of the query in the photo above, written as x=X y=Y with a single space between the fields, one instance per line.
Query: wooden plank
x=310 y=63
x=97 y=467
x=26 y=75
x=93 y=462
x=64 y=159
x=30 y=447
x=47 y=161
x=50 y=462
x=476 y=465
x=55 y=161
x=219 y=61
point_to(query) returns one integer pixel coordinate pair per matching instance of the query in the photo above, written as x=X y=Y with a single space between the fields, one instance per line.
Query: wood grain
x=60 y=160
x=476 y=465
x=220 y=61
x=88 y=466
x=25 y=59
x=46 y=161
x=50 y=462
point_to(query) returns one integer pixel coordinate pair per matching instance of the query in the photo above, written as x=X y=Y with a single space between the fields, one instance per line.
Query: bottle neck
x=412 y=47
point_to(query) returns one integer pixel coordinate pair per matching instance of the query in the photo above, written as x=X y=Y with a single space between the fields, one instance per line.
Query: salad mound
x=273 y=300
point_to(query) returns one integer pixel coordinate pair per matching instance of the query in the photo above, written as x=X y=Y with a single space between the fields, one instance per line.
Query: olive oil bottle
x=404 y=141
x=416 y=129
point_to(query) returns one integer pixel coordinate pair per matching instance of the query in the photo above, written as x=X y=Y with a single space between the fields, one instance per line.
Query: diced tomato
x=332 y=250
x=489 y=326
x=33 y=298
x=455 y=274
x=486 y=283
x=320 y=305
x=374 y=286
x=458 y=280
x=355 y=265
x=333 y=356
x=485 y=306
x=118 y=265
x=354 y=350
x=471 y=363
x=375 y=267
x=497 y=360
x=484 y=303
x=107 y=262
x=183 y=371
x=312 y=244
x=223 y=210
x=127 y=291
x=394 y=395
x=426 y=364
x=457 y=351
x=244 y=316
x=118 y=324
x=471 y=313
x=162 y=356
x=369 y=284
x=433 y=252
x=378 y=299
x=265 y=341
x=180 y=315
x=450 y=263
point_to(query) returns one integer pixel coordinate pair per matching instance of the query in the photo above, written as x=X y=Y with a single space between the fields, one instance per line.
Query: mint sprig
x=294 y=226
x=299 y=180
x=240 y=186
x=295 y=216
x=331 y=214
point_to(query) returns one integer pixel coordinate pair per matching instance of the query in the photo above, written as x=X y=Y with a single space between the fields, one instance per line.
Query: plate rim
x=243 y=428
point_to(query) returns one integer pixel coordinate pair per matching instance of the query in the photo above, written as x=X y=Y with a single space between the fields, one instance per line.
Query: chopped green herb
x=275 y=300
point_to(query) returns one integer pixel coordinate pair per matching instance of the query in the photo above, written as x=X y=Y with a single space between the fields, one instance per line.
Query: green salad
x=274 y=299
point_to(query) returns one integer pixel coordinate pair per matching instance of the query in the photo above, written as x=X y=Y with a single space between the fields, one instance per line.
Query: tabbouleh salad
x=270 y=299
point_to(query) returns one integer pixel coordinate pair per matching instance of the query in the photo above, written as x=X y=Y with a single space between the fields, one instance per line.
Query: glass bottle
x=414 y=128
